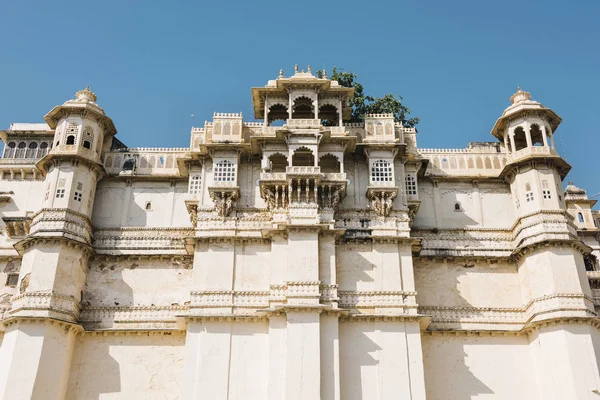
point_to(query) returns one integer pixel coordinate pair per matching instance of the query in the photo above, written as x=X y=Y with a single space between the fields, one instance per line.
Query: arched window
x=381 y=171
x=278 y=162
x=195 y=183
x=329 y=163
x=88 y=137
x=71 y=139
x=31 y=150
x=303 y=108
x=148 y=206
x=329 y=116
x=520 y=139
x=580 y=217
x=303 y=157
x=43 y=149
x=9 y=151
x=224 y=171
x=20 y=153
x=277 y=112
x=536 y=135
x=457 y=206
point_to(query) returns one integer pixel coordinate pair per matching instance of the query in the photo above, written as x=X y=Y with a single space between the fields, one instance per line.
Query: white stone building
x=297 y=258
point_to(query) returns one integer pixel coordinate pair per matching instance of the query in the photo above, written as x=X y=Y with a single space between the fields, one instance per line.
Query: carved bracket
x=224 y=199
x=381 y=199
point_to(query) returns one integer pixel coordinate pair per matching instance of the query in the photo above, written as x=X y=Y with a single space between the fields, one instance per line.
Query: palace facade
x=298 y=258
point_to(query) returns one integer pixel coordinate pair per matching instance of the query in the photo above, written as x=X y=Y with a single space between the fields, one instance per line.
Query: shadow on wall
x=105 y=285
x=447 y=371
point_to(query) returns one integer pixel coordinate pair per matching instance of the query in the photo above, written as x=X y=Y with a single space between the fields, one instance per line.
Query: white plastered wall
x=478 y=367
x=133 y=367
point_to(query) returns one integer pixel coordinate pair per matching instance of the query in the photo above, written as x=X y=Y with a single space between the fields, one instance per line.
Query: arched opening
x=303 y=157
x=278 y=162
x=20 y=153
x=278 y=114
x=70 y=139
x=580 y=217
x=536 y=135
x=329 y=115
x=43 y=149
x=519 y=138
x=303 y=108
x=148 y=206
x=88 y=137
x=31 y=150
x=457 y=206
x=9 y=152
x=329 y=164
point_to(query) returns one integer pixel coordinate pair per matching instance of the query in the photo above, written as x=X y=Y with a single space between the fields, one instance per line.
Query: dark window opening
x=70 y=139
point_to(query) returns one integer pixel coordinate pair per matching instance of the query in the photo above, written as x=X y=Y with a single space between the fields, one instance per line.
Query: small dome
x=572 y=189
x=520 y=96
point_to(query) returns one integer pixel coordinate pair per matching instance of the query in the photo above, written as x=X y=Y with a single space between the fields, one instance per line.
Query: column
x=544 y=136
x=303 y=349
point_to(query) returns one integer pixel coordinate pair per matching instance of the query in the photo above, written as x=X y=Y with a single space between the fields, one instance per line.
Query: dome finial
x=280 y=74
x=520 y=95
x=86 y=95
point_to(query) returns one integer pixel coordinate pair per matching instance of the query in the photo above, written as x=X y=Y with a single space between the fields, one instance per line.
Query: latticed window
x=546 y=194
x=9 y=151
x=43 y=149
x=381 y=171
x=21 y=148
x=224 y=171
x=60 y=193
x=88 y=137
x=411 y=185
x=195 y=183
x=31 y=150
x=71 y=132
x=77 y=196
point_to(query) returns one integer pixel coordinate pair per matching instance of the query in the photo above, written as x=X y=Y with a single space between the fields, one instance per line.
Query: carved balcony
x=17 y=227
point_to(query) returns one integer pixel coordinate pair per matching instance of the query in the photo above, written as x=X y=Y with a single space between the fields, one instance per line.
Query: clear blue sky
x=153 y=64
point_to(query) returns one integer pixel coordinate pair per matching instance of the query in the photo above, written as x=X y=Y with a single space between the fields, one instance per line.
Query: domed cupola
x=526 y=129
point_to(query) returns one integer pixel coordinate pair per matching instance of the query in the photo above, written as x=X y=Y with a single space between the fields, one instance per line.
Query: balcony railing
x=303 y=123
x=303 y=170
x=531 y=151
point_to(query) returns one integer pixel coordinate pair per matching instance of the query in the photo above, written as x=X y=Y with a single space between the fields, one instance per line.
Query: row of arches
x=143 y=162
x=468 y=162
x=304 y=157
x=535 y=134
x=26 y=149
x=303 y=108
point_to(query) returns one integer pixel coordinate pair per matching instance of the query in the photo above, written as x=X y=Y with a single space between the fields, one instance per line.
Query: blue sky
x=153 y=64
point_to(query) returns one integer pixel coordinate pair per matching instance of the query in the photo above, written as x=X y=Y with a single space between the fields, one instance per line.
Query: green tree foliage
x=362 y=104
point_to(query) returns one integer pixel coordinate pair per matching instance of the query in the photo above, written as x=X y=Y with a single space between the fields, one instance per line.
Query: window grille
x=381 y=171
x=60 y=193
x=411 y=185
x=224 y=171
x=195 y=183
x=546 y=194
x=88 y=137
x=77 y=196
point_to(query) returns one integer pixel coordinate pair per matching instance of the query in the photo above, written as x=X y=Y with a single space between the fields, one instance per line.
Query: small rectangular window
x=411 y=185
x=77 y=196
x=12 y=279
x=529 y=196
x=60 y=193
x=546 y=194
x=194 y=184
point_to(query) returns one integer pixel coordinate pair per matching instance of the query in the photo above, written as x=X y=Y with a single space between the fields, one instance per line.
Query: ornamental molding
x=68 y=327
x=51 y=302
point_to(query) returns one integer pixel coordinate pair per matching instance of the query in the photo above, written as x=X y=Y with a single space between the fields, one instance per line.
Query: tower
x=548 y=254
x=36 y=353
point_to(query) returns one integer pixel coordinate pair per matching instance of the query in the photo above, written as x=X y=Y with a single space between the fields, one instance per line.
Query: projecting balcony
x=73 y=149
x=534 y=151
